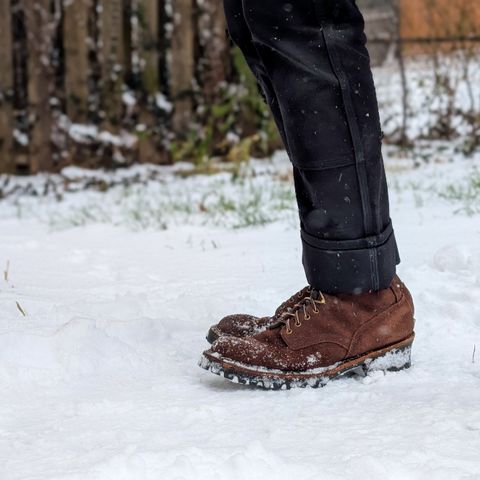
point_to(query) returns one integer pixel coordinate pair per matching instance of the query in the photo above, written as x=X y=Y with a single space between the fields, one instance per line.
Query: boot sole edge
x=393 y=358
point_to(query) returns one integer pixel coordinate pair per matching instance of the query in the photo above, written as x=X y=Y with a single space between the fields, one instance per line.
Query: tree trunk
x=182 y=68
x=39 y=72
x=6 y=89
x=75 y=37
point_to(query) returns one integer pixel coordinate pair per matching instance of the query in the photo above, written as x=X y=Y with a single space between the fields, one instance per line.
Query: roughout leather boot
x=320 y=338
x=244 y=325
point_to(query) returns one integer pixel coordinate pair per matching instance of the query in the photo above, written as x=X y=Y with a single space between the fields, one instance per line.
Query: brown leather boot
x=243 y=325
x=322 y=337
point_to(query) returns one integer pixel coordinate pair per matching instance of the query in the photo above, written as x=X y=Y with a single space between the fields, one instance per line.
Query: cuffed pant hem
x=350 y=266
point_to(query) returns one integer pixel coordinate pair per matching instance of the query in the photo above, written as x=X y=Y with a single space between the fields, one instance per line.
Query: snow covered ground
x=104 y=309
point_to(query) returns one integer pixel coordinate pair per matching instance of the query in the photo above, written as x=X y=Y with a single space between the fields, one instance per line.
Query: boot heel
x=392 y=361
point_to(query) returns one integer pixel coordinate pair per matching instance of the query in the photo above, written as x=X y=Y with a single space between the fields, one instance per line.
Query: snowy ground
x=99 y=377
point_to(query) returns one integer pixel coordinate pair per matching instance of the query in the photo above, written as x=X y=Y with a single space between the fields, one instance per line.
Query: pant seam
x=357 y=145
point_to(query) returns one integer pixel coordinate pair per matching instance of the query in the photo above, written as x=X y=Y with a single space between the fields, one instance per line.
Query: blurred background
x=109 y=83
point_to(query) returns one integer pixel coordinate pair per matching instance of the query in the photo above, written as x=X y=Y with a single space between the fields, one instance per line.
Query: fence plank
x=215 y=61
x=113 y=54
x=149 y=16
x=182 y=67
x=39 y=72
x=6 y=88
x=75 y=37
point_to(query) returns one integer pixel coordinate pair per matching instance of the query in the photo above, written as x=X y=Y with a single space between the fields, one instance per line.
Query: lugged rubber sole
x=392 y=358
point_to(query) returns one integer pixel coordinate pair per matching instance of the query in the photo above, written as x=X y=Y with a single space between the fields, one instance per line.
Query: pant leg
x=313 y=52
x=242 y=37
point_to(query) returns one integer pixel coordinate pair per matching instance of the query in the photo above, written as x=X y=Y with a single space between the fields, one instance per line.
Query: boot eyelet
x=307 y=317
x=288 y=331
x=298 y=324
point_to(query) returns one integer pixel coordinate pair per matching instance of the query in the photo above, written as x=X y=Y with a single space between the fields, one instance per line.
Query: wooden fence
x=420 y=26
x=427 y=19
x=111 y=82
x=109 y=66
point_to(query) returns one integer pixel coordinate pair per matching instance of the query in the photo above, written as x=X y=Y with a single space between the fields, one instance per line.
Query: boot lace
x=295 y=297
x=315 y=299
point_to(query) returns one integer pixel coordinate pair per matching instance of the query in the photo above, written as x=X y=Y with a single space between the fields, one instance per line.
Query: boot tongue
x=315 y=294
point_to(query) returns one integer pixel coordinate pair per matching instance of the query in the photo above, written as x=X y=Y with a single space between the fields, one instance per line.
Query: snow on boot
x=322 y=337
x=244 y=325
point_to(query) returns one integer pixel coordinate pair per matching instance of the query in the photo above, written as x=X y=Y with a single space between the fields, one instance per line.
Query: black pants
x=310 y=59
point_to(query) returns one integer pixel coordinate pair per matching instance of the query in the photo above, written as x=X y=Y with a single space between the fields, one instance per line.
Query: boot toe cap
x=251 y=353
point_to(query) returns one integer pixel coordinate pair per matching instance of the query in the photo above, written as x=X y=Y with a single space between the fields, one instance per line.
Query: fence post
x=75 y=37
x=182 y=67
x=6 y=89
